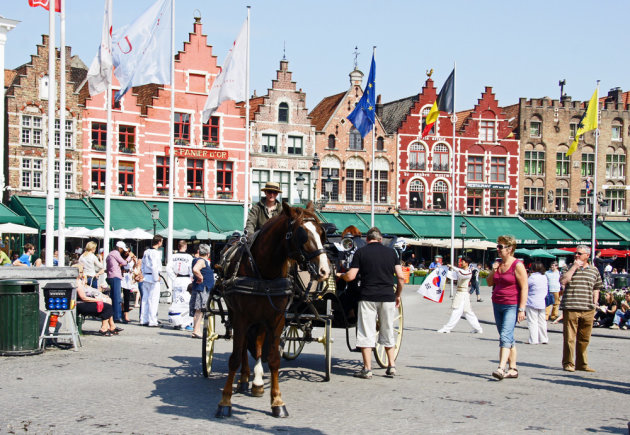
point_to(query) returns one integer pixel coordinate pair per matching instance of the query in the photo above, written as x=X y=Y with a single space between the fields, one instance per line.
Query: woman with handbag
x=536 y=303
x=92 y=306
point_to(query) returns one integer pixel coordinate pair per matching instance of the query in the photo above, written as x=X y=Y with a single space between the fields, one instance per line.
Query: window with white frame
x=259 y=179
x=440 y=195
x=474 y=199
x=615 y=166
x=68 y=175
x=588 y=164
x=354 y=185
x=616 y=201
x=416 y=194
x=32 y=174
x=535 y=128
x=498 y=169
x=534 y=163
x=563 y=164
x=573 y=127
x=31 y=130
x=295 y=145
x=269 y=143
x=69 y=133
x=486 y=131
x=356 y=140
x=615 y=133
x=334 y=176
x=562 y=200
x=380 y=178
x=440 y=157
x=417 y=157
x=283 y=178
x=425 y=113
x=497 y=202
x=533 y=198
x=587 y=198
x=475 y=168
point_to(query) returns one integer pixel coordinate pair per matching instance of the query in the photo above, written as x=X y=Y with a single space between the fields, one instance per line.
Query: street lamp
x=462 y=229
x=328 y=187
x=603 y=208
x=155 y=216
x=581 y=205
x=299 y=183
x=315 y=174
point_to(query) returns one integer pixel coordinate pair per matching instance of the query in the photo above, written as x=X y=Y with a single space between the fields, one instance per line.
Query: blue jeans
x=115 y=289
x=505 y=317
x=621 y=318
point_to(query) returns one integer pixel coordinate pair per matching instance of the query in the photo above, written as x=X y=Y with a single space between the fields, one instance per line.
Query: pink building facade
x=210 y=157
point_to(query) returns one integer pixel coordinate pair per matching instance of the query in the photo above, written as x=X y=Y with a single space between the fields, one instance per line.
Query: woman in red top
x=509 y=297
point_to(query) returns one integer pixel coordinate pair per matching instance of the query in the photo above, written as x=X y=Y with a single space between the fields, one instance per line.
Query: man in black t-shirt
x=377 y=265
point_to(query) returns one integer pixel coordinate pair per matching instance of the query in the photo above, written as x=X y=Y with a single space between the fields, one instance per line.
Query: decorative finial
x=429 y=73
x=284 y=50
x=356 y=56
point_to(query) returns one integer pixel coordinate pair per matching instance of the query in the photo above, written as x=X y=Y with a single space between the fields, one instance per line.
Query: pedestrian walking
x=180 y=272
x=202 y=285
x=151 y=266
x=461 y=301
x=553 y=280
x=538 y=287
x=377 y=265
x=509 y=297
x=474 y=281
x=582 y=283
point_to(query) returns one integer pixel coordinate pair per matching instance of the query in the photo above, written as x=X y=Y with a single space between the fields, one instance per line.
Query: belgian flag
x=445 y=102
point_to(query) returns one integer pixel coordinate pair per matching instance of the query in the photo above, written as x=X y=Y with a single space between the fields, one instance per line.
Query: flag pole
x=454 y=123
x=50 y=179
x=594 y=223
x=61 y=238
x=373 y=146
x=172 y=172
x=246 y=203
x=108 y=154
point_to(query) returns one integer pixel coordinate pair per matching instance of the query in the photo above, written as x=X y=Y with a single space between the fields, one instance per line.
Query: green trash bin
x=19 y=317
x=621 y=282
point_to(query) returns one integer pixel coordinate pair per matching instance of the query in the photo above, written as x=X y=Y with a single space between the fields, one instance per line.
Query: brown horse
x=293 y=236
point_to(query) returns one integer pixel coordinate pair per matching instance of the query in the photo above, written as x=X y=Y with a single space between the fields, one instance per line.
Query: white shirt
x=180 y=266
x=151 y=265
x=608 y=268
x=91 y=264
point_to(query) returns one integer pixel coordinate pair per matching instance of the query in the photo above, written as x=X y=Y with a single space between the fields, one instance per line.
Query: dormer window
x=283 y=113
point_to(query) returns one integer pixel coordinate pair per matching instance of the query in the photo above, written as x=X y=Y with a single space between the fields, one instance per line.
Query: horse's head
x=306 y=237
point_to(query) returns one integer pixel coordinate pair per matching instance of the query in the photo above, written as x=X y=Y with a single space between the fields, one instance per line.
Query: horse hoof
x=223 y=411
x=258 y=390
x=279 y=411
x=242 y=387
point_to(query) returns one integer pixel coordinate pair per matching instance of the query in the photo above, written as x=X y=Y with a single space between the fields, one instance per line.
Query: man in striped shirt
x=582 y=283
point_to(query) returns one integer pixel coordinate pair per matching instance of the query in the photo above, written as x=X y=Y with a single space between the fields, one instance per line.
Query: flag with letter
x=230 y=83
x=100 y=72
x=588 y=122
x=445 y=102
x=141 y=51
x=432 y=288
x=364 y=115
x=44 y=4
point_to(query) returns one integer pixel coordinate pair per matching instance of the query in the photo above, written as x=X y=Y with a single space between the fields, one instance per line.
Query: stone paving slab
x=149 y=381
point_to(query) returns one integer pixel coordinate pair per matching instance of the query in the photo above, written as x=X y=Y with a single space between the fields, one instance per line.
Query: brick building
x=347 y=157
x=27 y=124
x=486 y=156
x=283 y=139
x=551 y=182
x=210 y=157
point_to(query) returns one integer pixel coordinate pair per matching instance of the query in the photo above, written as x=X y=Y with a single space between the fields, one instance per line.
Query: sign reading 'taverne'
x=199 y=153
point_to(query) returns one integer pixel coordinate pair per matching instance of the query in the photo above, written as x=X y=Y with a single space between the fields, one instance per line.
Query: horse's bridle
x=297 y=252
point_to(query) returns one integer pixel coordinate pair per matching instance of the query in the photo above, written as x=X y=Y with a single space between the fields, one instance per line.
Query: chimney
x=615 y=95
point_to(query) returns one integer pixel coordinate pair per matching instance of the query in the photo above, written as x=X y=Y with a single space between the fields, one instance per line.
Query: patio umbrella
x=208 y=235
x=559 y=252
x=10 y=228
x=184 y=233
x=611 y=252
x=523 y=251
x=541 y=253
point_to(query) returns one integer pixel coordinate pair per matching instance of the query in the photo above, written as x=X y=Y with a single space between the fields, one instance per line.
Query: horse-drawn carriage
x=284 y=283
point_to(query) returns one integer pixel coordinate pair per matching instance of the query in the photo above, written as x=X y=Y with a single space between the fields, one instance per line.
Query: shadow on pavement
x=454 y=371
x=583 y=382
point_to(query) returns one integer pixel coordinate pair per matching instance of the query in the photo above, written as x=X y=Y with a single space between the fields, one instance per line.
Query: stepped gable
x=394 y=113
x=412 y=124
x=324 y=110
x=9 y=76
x=145 y=95
x=487 y=107
x=196 y=47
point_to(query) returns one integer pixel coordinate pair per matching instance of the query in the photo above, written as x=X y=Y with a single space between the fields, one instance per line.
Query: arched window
x=332 y=141
x=416 y=195
x=380 y=144
x=440 y=157
x=417 y=157
x=425 y=113
x=440 y=195
x=356 y=141
x=283 y=112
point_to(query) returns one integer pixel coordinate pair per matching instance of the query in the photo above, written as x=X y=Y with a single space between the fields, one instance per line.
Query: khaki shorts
x=366 y=324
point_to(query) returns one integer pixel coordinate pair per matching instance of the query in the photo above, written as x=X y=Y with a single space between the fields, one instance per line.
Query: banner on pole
x=433 y=286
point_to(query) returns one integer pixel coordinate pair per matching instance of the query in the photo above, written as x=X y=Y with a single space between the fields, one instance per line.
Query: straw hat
x=271 y=187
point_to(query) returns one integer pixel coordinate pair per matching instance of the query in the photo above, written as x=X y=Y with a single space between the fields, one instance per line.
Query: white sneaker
x=477 y=331
x=443 y=331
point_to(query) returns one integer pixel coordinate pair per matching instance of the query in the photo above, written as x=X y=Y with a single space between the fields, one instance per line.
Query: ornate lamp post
x=315 y=174
x=299 y=185
x=155 y=216
x=462 y=229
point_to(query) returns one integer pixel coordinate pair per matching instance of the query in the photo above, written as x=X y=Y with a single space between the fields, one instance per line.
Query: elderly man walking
x=582 y=283
x=376 y=264
x=151 y=265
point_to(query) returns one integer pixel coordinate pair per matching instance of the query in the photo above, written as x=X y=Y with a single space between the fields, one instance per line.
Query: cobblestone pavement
x=149 y=380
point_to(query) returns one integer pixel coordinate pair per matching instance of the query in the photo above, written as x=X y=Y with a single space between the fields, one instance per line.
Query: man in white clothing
x=151 y=265
x=461 y=301
x=180 y=272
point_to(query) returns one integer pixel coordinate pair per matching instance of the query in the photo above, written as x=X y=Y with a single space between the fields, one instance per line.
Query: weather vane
x=429 y=73
x=356 y=56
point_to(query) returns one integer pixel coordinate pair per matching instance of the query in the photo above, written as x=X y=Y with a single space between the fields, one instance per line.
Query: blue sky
x=521 y=48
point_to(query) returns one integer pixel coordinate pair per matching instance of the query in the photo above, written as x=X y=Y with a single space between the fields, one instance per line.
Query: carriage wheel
x=328 y=349
x=379 y=350
x=207 y=344
x=293 y=341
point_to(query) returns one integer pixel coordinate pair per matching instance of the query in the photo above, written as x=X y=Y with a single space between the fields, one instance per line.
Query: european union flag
x=363 y=116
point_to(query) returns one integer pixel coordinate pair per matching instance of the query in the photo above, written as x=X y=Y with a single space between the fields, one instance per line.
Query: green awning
x=344 y=220
x=79 y=213
x=495 y=226
x=552 y=231
x=8 y=216
x=387 y=223
x=225 y=217
x=429 y=226
x=128 y=213
x=620 y=228
x=582 y=230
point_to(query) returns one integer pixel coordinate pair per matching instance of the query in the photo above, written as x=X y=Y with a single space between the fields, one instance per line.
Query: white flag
x=230 y=83
x=432 y=287
x=100 y=72
x=142 y=50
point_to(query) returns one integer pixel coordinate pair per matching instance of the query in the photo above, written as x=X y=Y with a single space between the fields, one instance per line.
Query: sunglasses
x=499 y=247
x=581 y=253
